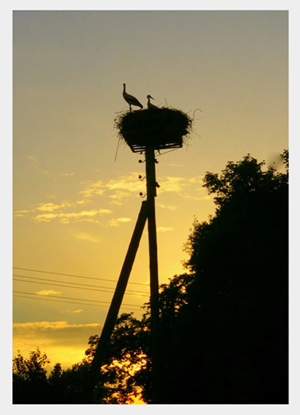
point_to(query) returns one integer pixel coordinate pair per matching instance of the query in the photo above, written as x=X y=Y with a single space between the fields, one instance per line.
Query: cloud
x=168 y=207
x=62 y=342
x=48 y=292
x=175 y=165
x=177 y=184
x=188 y=188
x=122 y=186
x=50 y=207
x=164 y=229
x=65 y=217
x=85 y=236
x=72 y=311
x=83 y=202
x=119 y=196
x=51 y=325
x=128 y=183
x=118 y=191
x=93 y=189
x=22 y=213
x=91 y=220
x=117 y=222
x=173 y=184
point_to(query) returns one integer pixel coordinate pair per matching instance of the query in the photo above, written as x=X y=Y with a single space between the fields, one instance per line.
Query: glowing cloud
x=117 y=191
x=93 y=189
x=129 y=183
x=117 y=222
x=164 y=229
x=22 y=213
x=65 y=217
x=175 y=165
x=52 y=325
x=168 y=207
x=72 y=311
x=61 y=341
x=50 y=207
x=173 y=184
x=119 y=197
x=85 y=236
x=48 y=292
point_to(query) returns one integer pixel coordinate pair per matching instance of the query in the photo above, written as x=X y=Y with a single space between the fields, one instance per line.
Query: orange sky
x=76 y=188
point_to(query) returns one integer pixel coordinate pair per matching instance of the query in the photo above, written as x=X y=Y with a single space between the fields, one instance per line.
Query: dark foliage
x=29 y=378
x=118 y=380
x=230 y=343
x=32 y=385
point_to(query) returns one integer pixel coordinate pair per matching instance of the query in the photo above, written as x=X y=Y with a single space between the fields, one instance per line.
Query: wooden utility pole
x=147 y=212
x=153 y=263
x=115 y=305
x=145 y=132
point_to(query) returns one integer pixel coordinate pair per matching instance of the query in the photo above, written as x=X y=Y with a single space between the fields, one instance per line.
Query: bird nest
x=160 y=128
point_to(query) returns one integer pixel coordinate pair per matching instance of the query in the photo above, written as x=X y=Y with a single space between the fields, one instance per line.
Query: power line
x=67 y=286
x=73 y=285
x=60 y=285
x=65 y=301
x=36 y=296
x=57 y=301
x=76 y=276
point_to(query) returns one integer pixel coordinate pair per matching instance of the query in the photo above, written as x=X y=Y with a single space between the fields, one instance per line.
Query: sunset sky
x=75 y=185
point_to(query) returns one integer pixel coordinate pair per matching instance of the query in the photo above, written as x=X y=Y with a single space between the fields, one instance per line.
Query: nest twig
x=160 y=128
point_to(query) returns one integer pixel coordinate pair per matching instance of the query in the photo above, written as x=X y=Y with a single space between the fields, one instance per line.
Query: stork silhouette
x=131 y=100
x=149 y=104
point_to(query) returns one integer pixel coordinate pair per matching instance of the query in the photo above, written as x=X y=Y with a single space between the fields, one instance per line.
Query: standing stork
x=149 y=104
x=130 y=99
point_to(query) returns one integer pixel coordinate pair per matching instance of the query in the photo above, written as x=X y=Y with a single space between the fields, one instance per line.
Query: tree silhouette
x=232 y=337
x=29 y=378
x=127 y=367
x=118 y=379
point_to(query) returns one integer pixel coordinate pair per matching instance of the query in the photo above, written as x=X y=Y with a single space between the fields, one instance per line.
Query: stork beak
x=151 y=97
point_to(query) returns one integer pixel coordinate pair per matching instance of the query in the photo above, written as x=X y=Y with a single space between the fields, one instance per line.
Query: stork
x=150 y=106
x=130 y=99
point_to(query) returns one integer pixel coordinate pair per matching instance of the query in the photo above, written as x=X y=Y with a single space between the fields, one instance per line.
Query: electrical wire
x=76 y=276
x=68 y=286
x=68 y=302
x=73 y=285
x=57 y=301
x=36 y=296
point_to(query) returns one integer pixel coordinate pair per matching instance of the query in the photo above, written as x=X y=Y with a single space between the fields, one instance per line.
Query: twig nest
x=161 y=128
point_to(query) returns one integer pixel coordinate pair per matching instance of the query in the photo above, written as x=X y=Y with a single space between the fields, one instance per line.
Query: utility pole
x=147 y=212
x=145 y=131
x=153 y=264
x=115 y=305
